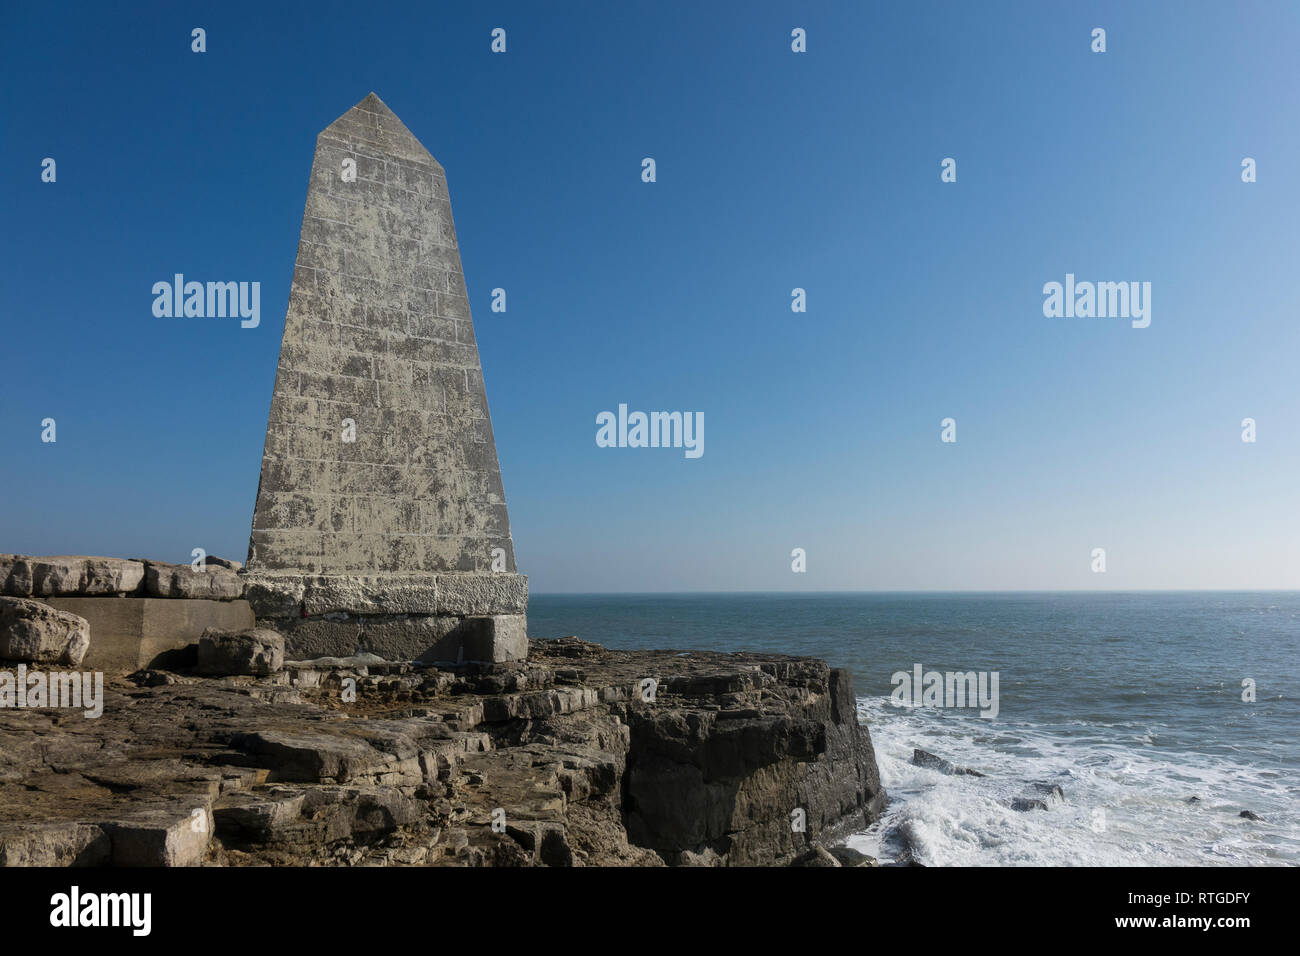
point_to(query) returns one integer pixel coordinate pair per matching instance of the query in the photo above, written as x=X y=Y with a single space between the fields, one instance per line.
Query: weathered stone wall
x=138 y=612
x=24 y=575
x=424 y=617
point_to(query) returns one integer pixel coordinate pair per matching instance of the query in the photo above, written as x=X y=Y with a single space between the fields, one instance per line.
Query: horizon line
x=933 y=591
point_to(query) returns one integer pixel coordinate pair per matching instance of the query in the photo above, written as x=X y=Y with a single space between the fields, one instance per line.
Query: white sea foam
x=1140 y=789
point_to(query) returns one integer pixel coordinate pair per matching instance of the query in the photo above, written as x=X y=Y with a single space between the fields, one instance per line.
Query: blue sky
x=775 y=170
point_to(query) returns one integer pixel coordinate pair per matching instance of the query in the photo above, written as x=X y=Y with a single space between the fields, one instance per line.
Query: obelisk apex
x=381 y=491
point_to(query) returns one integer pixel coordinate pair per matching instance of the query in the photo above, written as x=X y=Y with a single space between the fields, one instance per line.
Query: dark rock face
x=725 y=764
x=923 y=758
x=1043 y=796
x=578 y=756
x=817 y=856
x=847 y=856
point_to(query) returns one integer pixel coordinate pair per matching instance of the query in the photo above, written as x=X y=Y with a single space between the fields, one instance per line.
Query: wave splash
x=1127 y=802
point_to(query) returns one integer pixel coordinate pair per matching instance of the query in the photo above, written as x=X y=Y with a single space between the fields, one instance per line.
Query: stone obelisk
x=381 y=519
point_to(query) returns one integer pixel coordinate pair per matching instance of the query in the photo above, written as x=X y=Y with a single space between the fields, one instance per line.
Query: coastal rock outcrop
x=577 y=756
x=720 y=772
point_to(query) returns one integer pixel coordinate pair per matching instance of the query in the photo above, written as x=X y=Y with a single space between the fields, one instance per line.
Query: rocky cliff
x=578 y=756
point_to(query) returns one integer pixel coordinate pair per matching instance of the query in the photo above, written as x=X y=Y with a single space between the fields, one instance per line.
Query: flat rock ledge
x=577 y=756
x=28 y=576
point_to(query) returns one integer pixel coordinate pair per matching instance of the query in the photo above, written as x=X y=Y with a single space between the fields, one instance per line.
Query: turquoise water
x=1132 y=702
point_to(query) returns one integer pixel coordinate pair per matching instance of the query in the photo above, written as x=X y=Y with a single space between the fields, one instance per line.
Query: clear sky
x=775 y=170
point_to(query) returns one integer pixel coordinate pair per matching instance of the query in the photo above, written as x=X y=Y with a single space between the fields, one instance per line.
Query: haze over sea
x=1131 y=702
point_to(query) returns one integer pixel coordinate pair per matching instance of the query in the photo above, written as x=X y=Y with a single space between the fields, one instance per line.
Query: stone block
x=500 y=637
x=372 y=594
x=163 y=837
x=55 y=843
x=212 y=559
x=308 y=638
x=414 y=638
x=65 y=575
x=130 y=633
x=256 y=651
x=274 y=595
x=407 y=637
x=284 y=595
x=479 y=594
x=213 y=582
x=39 y=634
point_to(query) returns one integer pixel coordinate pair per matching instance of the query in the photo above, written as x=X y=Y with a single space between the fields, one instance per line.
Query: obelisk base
x=433 y=618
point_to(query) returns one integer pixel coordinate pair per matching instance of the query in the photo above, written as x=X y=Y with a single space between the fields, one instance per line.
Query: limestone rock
x=37 y=633
x=409 y=616
x=130 y=633
x=274 y=595
x=414 y=768
x=816 y=856
x=700 y=779
x=263 y=817
x=371 y=594
x=501 y=637
x=482 y=594
x=258 y=651
x=55 y=843
x=212 y=560
x=147 y=677
x=1043 y=796
x=214 y=582
x=176 y=835
x=68 y=575
x=848 y=856
x=923 y=758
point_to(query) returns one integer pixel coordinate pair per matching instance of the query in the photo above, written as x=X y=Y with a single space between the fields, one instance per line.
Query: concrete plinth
x=412 y=637
x=420 y=616
x=128 y=633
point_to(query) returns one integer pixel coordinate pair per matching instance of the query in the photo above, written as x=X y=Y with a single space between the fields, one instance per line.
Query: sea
x=1160 y=715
